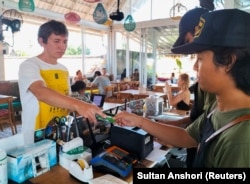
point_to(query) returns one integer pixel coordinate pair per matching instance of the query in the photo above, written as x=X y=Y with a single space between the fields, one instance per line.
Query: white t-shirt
x=35 y=114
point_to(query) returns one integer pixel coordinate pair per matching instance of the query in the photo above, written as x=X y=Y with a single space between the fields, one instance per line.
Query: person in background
x=223 y=69
x=123 y=75
x=172 y=78
x=181 y=101
x=101 y=81
x=44 y=84
x=104 y=72
x=78 y=91
x=80 y=77
x=135 y=76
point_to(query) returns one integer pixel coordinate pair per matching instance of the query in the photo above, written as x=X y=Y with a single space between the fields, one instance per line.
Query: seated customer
x=172 y=78
x=180 y=101
x=101 y=81
x=135 y=76
x=80 y=77
x=123 y=74
x=78 y=91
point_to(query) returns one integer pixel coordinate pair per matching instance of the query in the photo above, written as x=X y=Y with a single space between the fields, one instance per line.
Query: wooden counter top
x=58 y=174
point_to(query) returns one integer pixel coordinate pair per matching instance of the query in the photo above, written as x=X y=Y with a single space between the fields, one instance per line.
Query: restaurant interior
x=135 y=34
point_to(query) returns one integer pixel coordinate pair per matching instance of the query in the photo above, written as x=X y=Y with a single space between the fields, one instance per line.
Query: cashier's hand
x=128 y=119
x=90 y=111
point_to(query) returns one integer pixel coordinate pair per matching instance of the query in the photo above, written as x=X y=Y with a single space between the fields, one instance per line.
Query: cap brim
x=180 y=40
x=189 y=48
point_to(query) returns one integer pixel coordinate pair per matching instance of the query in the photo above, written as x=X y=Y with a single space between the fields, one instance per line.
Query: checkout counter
x=149 y=154
x=58 y=174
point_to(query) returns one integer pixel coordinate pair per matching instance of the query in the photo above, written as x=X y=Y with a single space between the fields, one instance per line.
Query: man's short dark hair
x=98 y=73
x=52 y=26
x=239 y=69
x=77 y=86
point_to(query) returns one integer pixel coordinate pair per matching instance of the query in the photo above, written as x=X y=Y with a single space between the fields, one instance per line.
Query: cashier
x=44 y=84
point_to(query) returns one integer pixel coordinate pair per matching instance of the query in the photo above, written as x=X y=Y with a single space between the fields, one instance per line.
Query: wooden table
x=91 y=89
x=118 y=84
x=58 y=174
x=136 y=92
x=174 y=87
x=5 y=96
x=129 y=84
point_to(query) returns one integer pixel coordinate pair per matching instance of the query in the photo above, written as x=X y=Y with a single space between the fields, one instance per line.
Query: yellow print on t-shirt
x=58 y=81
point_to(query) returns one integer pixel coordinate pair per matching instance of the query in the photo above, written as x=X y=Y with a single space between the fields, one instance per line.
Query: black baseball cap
x=220 y=28
x=188 y=23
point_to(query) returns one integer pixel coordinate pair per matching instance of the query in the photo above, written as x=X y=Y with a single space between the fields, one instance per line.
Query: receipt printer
x=132 y=139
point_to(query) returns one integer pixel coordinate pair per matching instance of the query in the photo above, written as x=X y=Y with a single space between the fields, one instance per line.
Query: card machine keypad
x=115 y=160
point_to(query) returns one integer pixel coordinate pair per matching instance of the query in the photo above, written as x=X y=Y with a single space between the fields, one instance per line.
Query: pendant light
x=129 y=23
x=26 y=5
x=100 y=15
x=72 y=17
x=177 y=11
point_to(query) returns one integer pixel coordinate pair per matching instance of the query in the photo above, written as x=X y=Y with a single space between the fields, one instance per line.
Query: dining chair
x=124 y=86
x=7 y=114
x=134 y=84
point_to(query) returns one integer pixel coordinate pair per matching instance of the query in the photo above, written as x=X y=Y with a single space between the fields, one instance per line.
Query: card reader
x=114 y=161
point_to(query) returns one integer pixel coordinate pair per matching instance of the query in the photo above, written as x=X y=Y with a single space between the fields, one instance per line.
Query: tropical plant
x=179 y=64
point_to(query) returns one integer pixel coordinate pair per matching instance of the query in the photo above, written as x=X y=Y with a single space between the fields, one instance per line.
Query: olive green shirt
x=229 y=149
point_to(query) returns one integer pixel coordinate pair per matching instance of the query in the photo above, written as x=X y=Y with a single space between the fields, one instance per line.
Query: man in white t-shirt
x=44 y=84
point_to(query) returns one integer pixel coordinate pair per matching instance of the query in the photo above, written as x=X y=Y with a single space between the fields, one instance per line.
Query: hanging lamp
x=129 y=23
x=100 y=15
x=177 y=11
x=72 y=18
x=26 y=5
